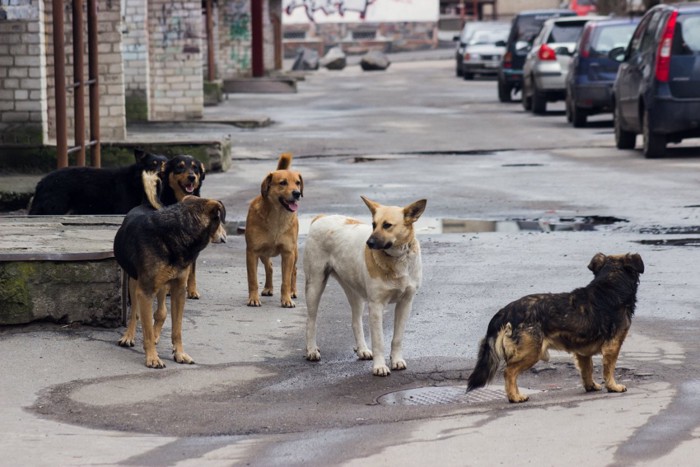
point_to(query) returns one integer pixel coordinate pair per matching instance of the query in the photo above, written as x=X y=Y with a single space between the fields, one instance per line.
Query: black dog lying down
x=89 y=190
x=157 y=247
x=587 y=321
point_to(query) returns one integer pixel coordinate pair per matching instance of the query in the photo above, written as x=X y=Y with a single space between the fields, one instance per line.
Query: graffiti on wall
x=237 y=17
x=19 y=9
x=329 y=7
x=179 y=33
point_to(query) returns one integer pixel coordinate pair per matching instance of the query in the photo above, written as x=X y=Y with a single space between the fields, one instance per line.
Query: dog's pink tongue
x=293 y=206
x=189 y=188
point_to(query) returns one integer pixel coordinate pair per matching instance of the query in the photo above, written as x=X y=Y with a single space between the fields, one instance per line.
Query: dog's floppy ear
x=597 y=263
x=370 y=204
x=413 y=211
x=301 y=187
x=635 y=262
x=201 y=171
x=265 y=187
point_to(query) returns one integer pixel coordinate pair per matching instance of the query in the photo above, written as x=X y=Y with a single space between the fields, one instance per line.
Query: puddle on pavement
x=671 y=242
x=675 y=230
x=456 y=225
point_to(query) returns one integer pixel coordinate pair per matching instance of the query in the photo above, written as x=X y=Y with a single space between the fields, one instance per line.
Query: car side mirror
x=618 y=54
x=500 y=43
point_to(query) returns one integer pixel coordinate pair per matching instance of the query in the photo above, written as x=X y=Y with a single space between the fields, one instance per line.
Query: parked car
x=523 y=30
x=468 y=32
x=547 y=61
x=484 y=50
x=592 y=72
x=657 y=88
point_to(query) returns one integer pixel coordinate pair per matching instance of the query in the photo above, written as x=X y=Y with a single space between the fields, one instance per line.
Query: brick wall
x=175 y=57
x=22 y=76
x=111 y=83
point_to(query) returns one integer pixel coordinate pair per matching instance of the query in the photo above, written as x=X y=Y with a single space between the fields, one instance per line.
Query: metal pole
x=59 y=63
x=95 y=151
x=78 y=81
x=211 y=70
x=256 y=16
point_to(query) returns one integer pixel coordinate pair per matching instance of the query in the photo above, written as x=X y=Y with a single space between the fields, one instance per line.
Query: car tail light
x=585 y=44
x=663 y=55
x=508 y=60
x=467 y=56
x=546 y=53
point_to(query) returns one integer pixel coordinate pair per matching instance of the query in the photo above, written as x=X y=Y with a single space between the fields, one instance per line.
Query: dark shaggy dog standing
x=157 y=248
x=89 y=190
x=590 y=320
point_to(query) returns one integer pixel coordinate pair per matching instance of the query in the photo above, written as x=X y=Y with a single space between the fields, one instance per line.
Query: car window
x=610 y=37
x=488 y=37
x=686 y=40
x=527 y=28
x=636 y=41
x=649 y=37
x=565 y=33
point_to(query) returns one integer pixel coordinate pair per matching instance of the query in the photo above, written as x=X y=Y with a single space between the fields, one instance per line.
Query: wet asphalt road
x=413 y=132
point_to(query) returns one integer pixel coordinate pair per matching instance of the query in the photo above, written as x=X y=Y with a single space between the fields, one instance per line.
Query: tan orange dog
x=272 y=229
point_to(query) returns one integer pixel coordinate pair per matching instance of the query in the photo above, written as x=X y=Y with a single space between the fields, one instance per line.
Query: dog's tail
x=152 y=185
x=491 y=352
x=285 y=161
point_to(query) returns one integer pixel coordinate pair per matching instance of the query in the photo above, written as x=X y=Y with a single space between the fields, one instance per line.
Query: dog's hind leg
x=526 y=355
x=357 y=305
x=145 y=307
x=611 y=350
x=268 y=288
x=177 y=310
x=129 y=336
x=315 y=285
x=401 y=314
x=585 y=367
x=192 y=291
x=161 y=313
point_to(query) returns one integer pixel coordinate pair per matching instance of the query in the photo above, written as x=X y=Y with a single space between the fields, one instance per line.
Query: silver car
x=482 y=53
x=547 y=61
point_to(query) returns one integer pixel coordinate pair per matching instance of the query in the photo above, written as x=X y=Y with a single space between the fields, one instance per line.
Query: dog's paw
x=294 y=295
x=364 y=354
x=616 y=388
x=182 y=357
x=193 y=294
x=398 y=364
x=381 y=370
x=594 y=387
x=154 y=362
x=288 y=303
x=266 y=293
x=126 y=342
x=313 y=355
x=517 y=398
x=254 y=302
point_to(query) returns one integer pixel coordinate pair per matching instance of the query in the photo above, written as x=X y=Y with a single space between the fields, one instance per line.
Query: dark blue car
x=592 y=72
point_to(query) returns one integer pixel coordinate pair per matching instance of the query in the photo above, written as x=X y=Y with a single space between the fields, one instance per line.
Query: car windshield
x=565 y=32
x=528 y=27
x=488 y=37
x=609 y=37
x=686 y=40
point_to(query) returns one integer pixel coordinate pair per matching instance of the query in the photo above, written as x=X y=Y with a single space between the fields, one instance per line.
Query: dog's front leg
x=251 y=262
x=145 y=308
x=288 y=264
x=357 y=305
x=379 y=367
x=610 y=352
x=177 y=310
x=401 y=314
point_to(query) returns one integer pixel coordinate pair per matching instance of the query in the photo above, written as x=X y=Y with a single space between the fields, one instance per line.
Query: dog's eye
x=284 y=183
x=386 y=226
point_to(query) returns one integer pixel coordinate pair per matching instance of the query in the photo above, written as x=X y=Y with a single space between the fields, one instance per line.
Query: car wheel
x=504 y=91
x=623 y=139
x=458 y=70
x=654 y=143
x=539 y=101
x=578 y=116
x=569 y=117
x=467 y=76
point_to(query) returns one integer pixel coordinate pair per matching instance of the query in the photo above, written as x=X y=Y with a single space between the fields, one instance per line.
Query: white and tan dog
x=377 y=265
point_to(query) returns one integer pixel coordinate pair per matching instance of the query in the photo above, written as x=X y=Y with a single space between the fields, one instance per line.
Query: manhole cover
x=439 y=395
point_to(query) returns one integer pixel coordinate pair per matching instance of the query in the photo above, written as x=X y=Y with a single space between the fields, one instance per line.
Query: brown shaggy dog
x=590 y=320
x=272 y=229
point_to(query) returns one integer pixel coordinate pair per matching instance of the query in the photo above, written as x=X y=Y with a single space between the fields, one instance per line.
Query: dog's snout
x=296 y=194
x=371 y=242
x=191 y=177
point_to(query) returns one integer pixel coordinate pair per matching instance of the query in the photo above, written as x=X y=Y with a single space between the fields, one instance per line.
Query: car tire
x=504 y=91
x=467 y=76
x=458 y=71
x=654 y=143
x=623 y=139
x=579 y=116
x=539 y=101
x=569 y=116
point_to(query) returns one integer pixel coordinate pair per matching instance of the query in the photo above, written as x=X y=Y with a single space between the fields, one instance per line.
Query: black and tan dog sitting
x=157 y=247
x=590 y=320
x=89 y=190
x=183 y=176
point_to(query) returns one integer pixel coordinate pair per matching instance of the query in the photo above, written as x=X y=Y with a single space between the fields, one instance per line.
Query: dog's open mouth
x=189 y=187
x=290 y=206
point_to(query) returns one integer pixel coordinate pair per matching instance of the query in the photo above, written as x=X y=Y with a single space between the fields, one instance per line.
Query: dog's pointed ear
x=301 y=187
x=202 y=171
x=413 y=211
x=265 y=187
x=635 y=261
x=139 y=155
x=597 y=263
x=370 y=204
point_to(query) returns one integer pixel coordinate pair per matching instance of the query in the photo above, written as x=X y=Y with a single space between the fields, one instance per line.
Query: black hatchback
x=657 y=88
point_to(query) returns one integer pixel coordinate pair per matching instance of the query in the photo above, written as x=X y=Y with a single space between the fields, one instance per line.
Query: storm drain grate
x=440 y=395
